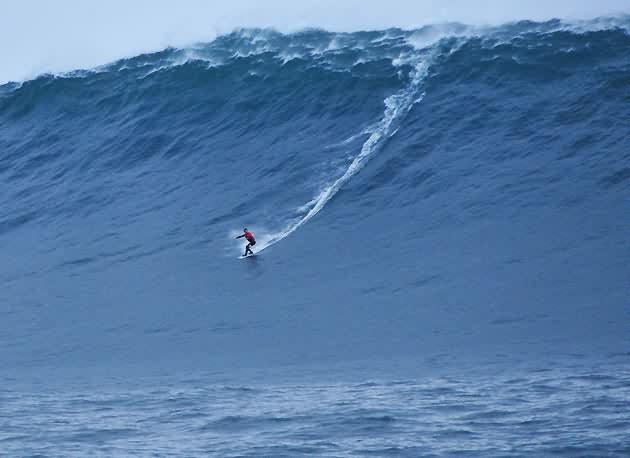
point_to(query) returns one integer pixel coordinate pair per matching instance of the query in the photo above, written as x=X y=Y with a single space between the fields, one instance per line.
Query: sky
x=38 y=36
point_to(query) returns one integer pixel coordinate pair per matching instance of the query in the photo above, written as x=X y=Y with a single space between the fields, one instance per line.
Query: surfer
x=250 y=238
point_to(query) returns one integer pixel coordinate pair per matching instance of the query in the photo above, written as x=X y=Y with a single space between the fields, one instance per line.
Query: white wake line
x=396 y=105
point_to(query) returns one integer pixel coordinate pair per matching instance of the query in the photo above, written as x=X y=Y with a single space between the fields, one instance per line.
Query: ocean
x=442 y=270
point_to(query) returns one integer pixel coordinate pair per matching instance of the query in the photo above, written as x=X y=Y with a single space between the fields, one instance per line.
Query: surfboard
x=248 y=256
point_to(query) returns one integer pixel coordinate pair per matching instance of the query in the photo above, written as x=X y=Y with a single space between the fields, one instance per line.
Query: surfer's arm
x=240 y=236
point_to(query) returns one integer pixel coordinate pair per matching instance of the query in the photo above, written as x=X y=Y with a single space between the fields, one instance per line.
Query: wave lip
x=314 y=43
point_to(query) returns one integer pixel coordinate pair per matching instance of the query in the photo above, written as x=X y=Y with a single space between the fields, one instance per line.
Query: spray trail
x=396 y=107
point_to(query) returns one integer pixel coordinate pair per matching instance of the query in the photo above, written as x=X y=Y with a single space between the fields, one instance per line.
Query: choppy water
x=427 y=199
x=521 y=412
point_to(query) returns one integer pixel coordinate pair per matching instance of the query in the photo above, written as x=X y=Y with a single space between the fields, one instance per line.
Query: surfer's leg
x=248 y=249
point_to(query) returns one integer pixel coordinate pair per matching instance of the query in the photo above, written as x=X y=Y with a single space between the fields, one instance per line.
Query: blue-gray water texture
x=443 y=220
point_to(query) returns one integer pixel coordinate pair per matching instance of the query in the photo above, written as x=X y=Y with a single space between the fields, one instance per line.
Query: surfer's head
x=244 y=229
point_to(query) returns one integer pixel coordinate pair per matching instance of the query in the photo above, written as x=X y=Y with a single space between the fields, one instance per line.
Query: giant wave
x=419 y=193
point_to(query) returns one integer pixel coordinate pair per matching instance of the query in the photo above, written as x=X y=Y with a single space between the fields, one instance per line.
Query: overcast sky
x=50 y=36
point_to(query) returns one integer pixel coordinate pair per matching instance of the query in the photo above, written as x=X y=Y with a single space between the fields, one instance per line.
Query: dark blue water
x=442 y=217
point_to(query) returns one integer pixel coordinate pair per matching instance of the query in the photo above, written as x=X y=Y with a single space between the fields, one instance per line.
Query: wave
x=472 y=173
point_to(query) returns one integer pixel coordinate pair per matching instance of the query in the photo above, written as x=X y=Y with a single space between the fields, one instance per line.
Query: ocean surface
x=442 y=269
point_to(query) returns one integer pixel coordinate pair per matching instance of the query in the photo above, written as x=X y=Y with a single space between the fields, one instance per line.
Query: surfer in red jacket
x=250 y=238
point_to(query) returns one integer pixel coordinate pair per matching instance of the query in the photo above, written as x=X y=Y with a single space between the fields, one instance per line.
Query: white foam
x=428 y=36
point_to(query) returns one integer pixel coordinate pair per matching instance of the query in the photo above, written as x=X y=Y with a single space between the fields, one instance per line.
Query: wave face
x=444 y=192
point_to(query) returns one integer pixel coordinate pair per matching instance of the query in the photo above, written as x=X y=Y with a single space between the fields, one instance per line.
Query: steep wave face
x=448 y=191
